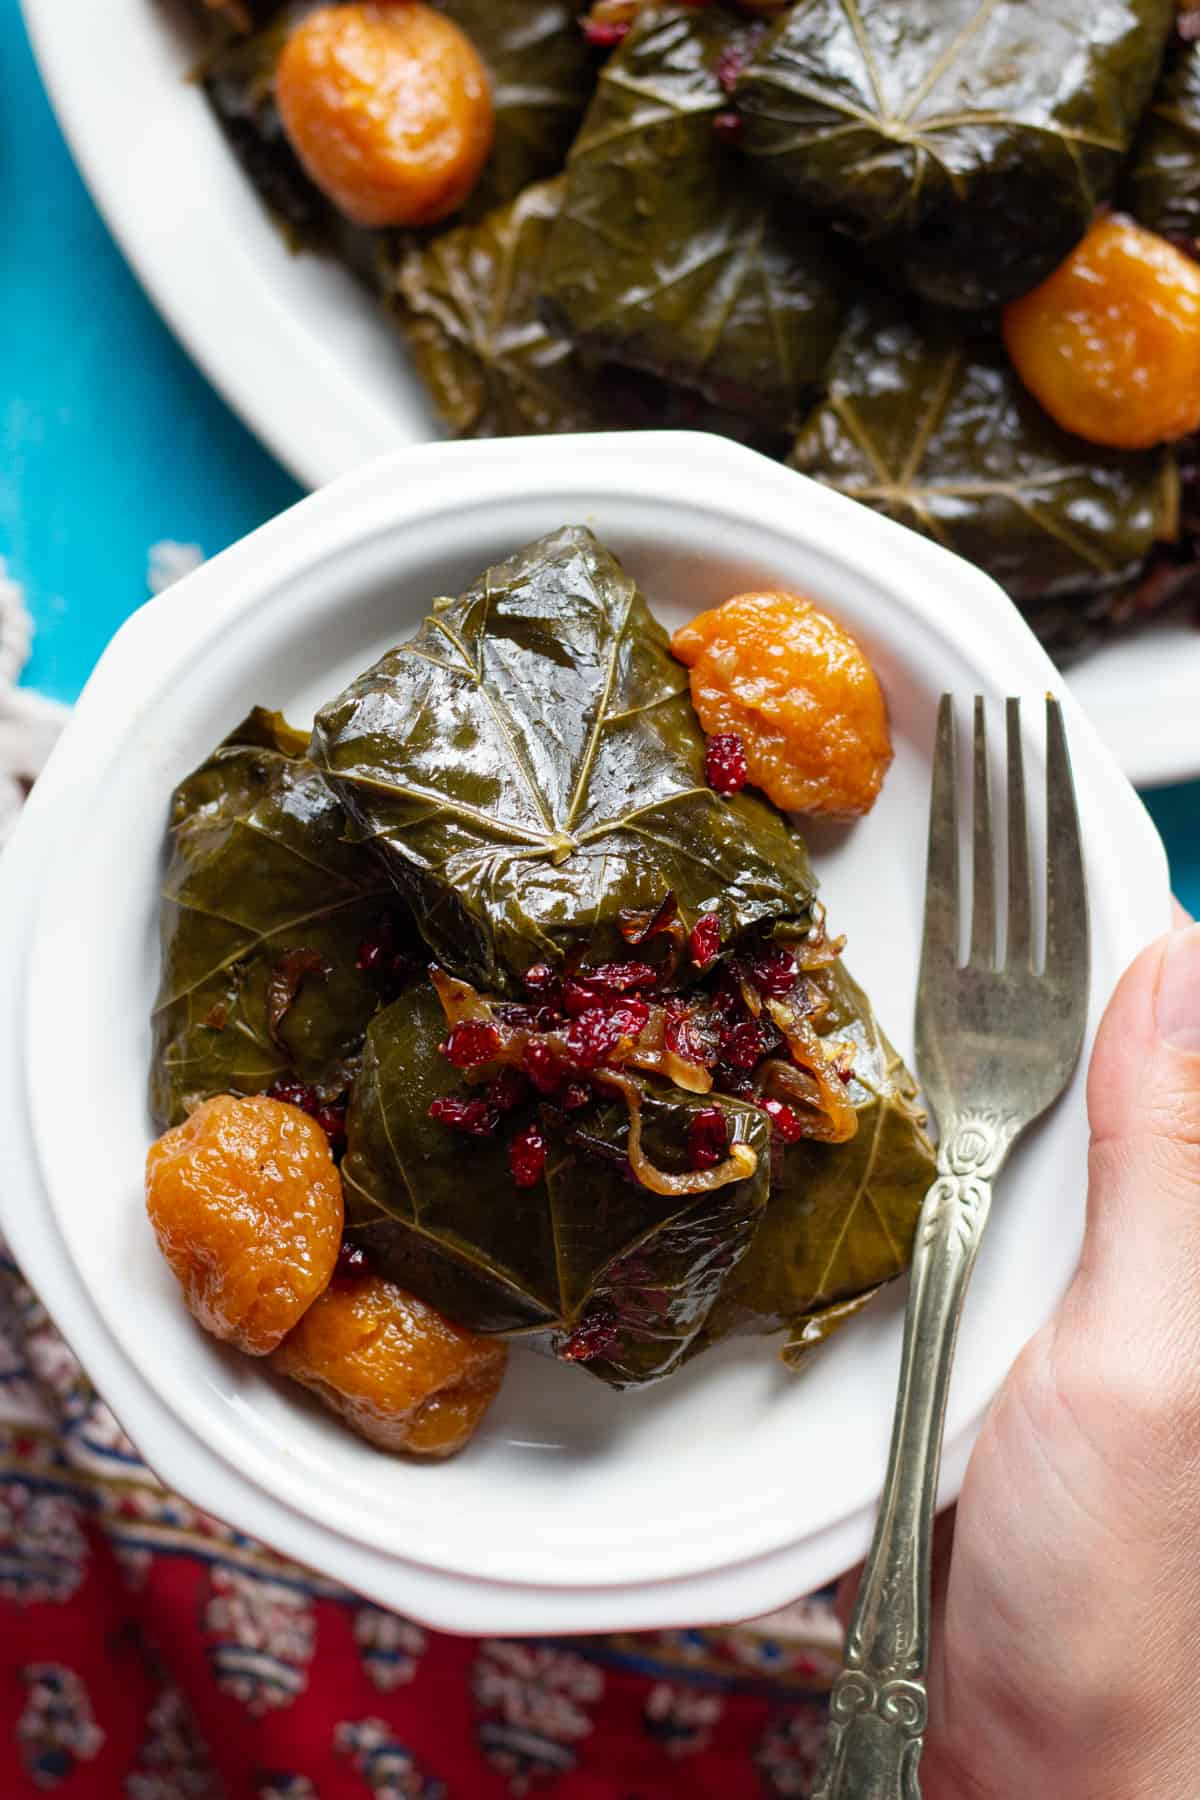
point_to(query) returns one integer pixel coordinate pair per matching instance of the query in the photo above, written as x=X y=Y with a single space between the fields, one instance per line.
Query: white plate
x=299 y=350
x=721 y=1493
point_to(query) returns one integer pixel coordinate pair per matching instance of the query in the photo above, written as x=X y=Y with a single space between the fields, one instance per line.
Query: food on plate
x=664 y=255
x=246 y=1204
x=279 y=936
x=690 y=216
x=796 y=692
x=398 y=1373
x=938 y=433
x=1162 y=183
x=1110 y=342
x=388 y=106
x=974 y=137
x=593 y=1041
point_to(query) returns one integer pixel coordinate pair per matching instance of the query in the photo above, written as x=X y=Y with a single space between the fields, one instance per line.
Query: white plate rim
x=342 y=513
x=300 y=353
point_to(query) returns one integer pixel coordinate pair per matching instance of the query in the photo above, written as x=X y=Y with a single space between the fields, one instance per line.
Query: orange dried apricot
x=389 y=108
x=401 y=1375
x=1110 y=342
x=786 y=679
x=246 y=1204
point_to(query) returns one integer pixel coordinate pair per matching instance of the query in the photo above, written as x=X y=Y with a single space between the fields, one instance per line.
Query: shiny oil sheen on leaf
x=529 y=768
x=979 y=135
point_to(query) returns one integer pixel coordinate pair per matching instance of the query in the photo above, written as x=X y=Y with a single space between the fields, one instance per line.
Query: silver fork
x=996 y=1045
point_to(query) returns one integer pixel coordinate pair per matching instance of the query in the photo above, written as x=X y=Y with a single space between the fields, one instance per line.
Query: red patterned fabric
x=148 y=1652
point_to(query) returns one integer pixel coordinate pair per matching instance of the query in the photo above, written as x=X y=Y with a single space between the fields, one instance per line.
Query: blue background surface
x=113 y=440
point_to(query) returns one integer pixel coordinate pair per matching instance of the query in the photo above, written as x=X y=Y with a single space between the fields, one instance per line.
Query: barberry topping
x=784 y=1120
x=744 y=1045
x=596 y=1033
x=539 y=978
x=474 y=1117
x=725 y=763
x=594 y=1336
x=708 y=1138
x=605 y=33
x=352 y=1262
x=705 y=941
x=542 y=1066
x=527 y=1155
x=472 y=1041
x=775 y=971
x=728 y=126
x=295 y=1093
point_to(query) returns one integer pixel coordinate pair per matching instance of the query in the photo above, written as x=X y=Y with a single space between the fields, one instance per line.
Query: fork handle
x=877 y=1707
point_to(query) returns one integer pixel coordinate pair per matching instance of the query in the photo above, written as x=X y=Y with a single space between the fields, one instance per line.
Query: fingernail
x=1177 y=1002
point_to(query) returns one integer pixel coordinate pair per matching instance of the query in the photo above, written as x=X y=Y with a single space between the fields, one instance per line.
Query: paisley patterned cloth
x=149 y=1652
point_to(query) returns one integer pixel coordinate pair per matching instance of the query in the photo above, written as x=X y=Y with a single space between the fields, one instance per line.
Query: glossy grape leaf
x=1162 y=182
x=840 y=1219
x=263 y=909
x=666 y=256
x=980 y=133
x=932 y=427
x=529 y=766
x=468 y=305
x=440 y=1214
x=542 y=74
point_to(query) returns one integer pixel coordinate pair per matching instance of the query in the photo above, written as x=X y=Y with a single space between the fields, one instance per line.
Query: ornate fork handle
x=878 y=1704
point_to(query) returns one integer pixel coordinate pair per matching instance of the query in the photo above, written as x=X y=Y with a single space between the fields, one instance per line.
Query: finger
x=1143 y=1228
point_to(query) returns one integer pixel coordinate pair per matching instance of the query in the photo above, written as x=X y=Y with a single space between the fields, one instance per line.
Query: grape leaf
x=932 y=427
x=439 y=1212
x=665 y=256
x=263 y=908
x=1162 y=183
x=982 y=134
x=542 y=73
x=841 y=1217
x=529 y=766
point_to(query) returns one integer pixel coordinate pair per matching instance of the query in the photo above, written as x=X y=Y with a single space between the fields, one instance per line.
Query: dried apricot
x=389 y=108
x=798 y=692
x=401 y=1375
x=1110 y=342
x=246 y=1204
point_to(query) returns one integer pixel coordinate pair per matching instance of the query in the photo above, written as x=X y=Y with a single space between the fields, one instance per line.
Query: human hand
x=1066 y=1659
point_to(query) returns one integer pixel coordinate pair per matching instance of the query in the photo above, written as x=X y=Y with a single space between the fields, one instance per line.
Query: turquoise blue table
x=113 y=441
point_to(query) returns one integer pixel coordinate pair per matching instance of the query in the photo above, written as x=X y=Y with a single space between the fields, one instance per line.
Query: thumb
x=1142 y=1247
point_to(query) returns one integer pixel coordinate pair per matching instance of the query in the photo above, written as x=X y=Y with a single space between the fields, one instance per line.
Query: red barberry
x=744 y=1044
x=735 y=1082
x=474 y=1117
x=784 y=1120
x=295 y=1093
x=594 y=1336
x=604 y=33
x=728 y=126
x=576 y=1095
x=597 y=1032
x=725 y=763
x=332 y=1120
x=623 y=977
x=775 y=971
x=542 y=1066
x=683 y=1036
x=708 y=1138
x=705 y=940
x=527 y=1155
x=539 y=978
x=471 y=1042
x=352 y=1263
x=507 y=1090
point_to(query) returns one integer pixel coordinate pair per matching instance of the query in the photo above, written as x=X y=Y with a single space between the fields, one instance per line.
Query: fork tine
x=983 y=905
x=940 y=941
x=1019 y=948
x=1066 y=891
